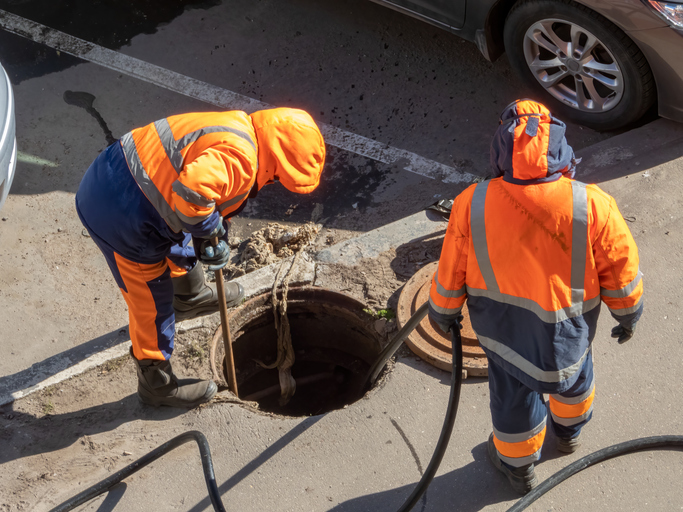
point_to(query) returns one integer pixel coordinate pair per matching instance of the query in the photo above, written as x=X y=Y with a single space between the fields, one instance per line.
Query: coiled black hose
x=635 y=445
x=645 y=443
x=108 y=483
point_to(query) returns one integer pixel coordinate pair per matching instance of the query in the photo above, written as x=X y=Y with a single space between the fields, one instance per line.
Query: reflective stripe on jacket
x=192 y=165
x=533 y=262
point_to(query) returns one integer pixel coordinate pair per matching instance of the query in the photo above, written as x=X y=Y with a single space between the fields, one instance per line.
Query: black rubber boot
x=158 y=385
x=568 y=444
x=193 y=296
x=523 y=479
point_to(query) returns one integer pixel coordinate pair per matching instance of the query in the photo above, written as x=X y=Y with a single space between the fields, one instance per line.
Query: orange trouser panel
x=521 y=448
x=571 y=410
x=176 y=271
x=142 y=309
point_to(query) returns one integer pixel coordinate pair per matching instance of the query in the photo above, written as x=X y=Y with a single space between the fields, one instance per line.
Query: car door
x=447 y=12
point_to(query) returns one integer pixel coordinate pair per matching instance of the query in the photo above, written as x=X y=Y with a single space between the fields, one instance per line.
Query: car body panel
x=628 y=15
x=663 y=49
x=8 y=143
x=448 y=12
x=661 y=44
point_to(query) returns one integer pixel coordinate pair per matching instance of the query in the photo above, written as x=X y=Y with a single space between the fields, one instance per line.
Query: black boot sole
x=158 y=401
x=518 y=484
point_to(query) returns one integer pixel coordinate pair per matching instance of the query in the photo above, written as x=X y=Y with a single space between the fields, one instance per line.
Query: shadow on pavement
x=632 y=153
x=467 y=489
x=113 y=497
x=42 y=370
x=265 y=455
x=25 y=435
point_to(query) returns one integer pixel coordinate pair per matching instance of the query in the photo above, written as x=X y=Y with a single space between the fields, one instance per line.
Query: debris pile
x=271 y=244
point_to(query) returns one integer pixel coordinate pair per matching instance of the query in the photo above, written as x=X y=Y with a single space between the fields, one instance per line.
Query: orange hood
x=291 y=149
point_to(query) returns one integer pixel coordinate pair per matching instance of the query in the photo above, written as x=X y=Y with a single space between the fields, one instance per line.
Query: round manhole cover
x=428 y=341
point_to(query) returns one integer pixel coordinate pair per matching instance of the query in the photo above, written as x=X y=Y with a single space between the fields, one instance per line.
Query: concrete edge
x=596 y=158
x=349 y=252
x=33 y=380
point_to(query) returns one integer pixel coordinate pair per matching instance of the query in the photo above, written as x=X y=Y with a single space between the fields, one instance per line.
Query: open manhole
x=334 y=342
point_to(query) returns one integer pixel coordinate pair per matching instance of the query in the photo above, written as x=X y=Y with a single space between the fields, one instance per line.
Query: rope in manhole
x=285 y=350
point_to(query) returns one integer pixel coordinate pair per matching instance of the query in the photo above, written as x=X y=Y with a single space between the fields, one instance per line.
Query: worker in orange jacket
x=176 y=181
x=534 y=253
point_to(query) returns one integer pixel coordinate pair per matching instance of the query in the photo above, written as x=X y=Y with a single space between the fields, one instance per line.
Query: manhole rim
x=438 y=352
x=260 y=305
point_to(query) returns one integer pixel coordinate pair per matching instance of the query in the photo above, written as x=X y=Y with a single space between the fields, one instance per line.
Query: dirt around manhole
x=56 y=439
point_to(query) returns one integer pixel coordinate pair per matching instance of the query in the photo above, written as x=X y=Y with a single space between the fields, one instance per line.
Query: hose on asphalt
x=645 y=443
x=616 y=450
x=109 y=482
x=449 y=421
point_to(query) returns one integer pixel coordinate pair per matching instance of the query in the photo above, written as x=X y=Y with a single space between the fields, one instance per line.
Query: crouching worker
x=534 y=253
x=176 y=181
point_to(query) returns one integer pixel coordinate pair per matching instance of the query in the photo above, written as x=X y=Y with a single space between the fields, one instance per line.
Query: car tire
x=603 y=81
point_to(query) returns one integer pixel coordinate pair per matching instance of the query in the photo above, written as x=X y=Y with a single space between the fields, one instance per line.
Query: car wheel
x=581 y=65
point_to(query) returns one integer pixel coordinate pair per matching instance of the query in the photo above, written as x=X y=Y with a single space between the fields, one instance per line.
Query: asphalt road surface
x=407 y=109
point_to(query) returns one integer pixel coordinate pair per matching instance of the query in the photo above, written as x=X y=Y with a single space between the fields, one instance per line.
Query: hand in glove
x=216 y=257
x=446 y=327
x=623 y=333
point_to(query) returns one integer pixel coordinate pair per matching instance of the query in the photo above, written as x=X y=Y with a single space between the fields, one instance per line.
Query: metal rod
x=301 y=381
x=227 y=339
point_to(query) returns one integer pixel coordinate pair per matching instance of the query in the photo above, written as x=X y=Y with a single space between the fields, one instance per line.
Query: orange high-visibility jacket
x=534 y=257
x=193 y=167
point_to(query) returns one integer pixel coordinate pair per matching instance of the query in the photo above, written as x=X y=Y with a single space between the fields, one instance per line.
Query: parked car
x=600 y=63
x=8 y=142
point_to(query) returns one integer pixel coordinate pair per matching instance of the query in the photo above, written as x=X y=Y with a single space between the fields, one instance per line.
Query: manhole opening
x=334 y=342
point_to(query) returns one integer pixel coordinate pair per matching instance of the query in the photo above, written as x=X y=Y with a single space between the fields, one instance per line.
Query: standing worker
x=534 y=252
x=178 y=180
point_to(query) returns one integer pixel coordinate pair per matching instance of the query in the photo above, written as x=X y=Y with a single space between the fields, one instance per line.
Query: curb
x=349 y=252
x=605 y=160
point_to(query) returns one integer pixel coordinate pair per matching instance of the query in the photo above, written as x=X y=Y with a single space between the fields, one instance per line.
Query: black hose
x=644 y=443
x=388 y=351
x=449 y=421
x=108 y=483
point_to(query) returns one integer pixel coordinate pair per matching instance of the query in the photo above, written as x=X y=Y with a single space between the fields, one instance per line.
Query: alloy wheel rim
x=573 y=65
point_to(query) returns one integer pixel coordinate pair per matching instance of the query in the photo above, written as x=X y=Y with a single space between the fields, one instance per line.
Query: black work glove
x=623 y=333
x=446 y=327
x=216 y=257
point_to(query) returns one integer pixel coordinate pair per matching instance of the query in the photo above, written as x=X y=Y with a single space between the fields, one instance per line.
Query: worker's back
x=531 y=251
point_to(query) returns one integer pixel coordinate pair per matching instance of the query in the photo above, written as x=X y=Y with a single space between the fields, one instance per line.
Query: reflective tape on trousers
x=569 y=422
x=524 y=436
x=575 y=400
x=520 y=461
x=515 y=359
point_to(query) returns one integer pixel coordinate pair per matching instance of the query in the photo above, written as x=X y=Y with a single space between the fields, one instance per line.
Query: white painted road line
x=222 y=98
